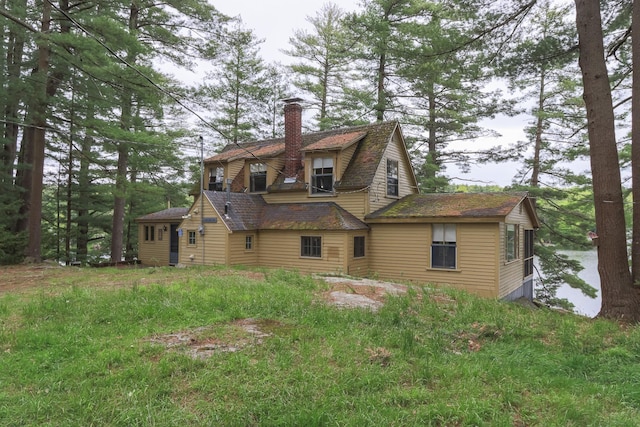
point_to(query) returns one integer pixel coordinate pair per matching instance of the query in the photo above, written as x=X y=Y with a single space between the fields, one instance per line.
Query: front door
x=173 y=245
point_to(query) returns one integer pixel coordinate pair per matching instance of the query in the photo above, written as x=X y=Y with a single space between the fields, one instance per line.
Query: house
x=345 y=201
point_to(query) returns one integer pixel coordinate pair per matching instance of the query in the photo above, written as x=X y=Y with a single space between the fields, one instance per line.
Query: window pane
x=358 y=246
x=443 y=256
x=311 y=246
x=438 y=233
x=392 y=178
x=510 y=242
x=449 y=232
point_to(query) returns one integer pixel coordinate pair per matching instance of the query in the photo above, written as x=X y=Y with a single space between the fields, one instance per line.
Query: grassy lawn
x=89 y=347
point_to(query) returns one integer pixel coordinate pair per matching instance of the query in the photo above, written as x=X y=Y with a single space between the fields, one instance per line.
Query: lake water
x=583 y=304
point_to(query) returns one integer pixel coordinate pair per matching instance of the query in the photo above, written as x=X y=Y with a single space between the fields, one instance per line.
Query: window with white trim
x=248 y=243
x=443 y=246
x=511 y=242
x=191 y=237
x=322 y=176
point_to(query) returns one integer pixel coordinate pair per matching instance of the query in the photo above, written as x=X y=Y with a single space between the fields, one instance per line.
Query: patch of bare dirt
x=205 y=341
x=360 y=293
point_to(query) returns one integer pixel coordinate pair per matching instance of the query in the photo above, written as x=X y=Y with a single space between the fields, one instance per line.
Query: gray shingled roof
x=309 y=216
x=244 y=210
x=166 y=215
x=250 y=212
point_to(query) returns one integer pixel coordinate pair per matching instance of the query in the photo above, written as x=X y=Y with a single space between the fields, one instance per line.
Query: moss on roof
x=453 y=205
x=171 y=214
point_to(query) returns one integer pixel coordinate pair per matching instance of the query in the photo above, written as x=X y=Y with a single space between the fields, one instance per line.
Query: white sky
x=275 y=20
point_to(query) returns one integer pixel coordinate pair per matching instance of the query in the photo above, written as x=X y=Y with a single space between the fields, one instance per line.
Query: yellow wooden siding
x=291 y=197
x=512 y=273
x=281 y=249
x=344 y=159
x=402 y=252
x=233 y=169
x=238 y=254
x=214 y=238
x=378 y=194
x=154 y=252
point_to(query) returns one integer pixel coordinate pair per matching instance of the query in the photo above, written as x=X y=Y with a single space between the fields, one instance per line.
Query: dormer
x=327 y=159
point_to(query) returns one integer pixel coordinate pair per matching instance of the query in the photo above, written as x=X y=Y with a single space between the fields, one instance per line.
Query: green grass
x=80 y=355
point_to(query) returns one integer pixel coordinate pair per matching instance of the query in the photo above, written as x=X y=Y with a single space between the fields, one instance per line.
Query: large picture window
x=257 y=177
x=322 y=176
x=511 y=242
x=311 y=246
x=443 y=246
x=392 y=177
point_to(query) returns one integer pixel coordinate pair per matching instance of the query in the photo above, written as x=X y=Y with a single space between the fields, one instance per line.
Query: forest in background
x=97 y=133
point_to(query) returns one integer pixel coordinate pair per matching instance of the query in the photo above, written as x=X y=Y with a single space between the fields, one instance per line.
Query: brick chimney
x=292 y=137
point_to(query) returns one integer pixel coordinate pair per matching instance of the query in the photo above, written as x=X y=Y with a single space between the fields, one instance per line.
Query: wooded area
x=97 y=132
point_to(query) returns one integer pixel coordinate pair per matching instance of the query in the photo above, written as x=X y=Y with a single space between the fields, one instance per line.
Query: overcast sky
x=275 y=20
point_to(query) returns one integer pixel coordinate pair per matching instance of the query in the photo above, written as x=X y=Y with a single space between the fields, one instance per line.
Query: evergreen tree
x=238 y=93
x=323 y=72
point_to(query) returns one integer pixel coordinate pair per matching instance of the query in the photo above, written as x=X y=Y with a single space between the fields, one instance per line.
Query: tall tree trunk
x=36 y=148
x=537 y=147
x=119 y=202
x=620 y=300
x=635 y=142
x=129 y=251
x=381 y=103
x=84 y=181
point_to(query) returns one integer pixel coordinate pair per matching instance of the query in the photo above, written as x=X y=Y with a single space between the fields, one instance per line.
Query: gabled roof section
x=244 y=209
x=166 y=215
x=260 y=149
x=454 y=205
x=336 y=142
x=309 y=216
x=372 y=141
x=368 y=155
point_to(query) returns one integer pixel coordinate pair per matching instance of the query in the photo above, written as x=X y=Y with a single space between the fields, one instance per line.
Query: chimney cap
x=292 y=100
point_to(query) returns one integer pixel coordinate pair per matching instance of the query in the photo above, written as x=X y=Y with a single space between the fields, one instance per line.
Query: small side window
x=191 y=237
x=149 y=233
x=358 y=246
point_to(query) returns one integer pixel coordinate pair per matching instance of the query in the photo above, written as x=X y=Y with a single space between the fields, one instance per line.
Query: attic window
x=392 y=178
x=216 y=178
x=257 y=177
x=443 y=246
x=322 y=176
